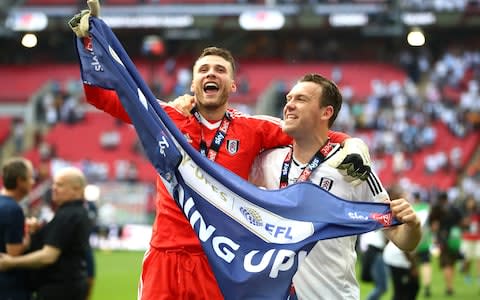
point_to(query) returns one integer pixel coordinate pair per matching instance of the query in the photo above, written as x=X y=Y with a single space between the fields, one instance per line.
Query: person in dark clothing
x=17 y=176
x=61 y=263
x=444 y=221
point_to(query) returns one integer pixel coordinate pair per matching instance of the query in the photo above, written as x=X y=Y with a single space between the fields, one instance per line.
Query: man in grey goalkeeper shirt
x=328 y=272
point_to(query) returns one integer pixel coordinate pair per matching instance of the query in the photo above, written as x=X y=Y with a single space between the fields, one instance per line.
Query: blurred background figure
x=17 y=176
x=373 y=267
x=445 y=221
x=424 y=248
x=402 y=264
x=470 y=247
x=59 y=248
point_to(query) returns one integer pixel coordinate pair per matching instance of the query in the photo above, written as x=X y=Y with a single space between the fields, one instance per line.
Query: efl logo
x=277 y=230
x=252 y=216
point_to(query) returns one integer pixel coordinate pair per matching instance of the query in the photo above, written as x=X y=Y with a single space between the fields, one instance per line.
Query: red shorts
x=177 y=274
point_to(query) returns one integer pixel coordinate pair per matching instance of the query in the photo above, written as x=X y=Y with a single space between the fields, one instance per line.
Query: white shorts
x=471 y=249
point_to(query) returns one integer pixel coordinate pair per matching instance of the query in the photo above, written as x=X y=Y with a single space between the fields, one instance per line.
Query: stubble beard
x=219 y=102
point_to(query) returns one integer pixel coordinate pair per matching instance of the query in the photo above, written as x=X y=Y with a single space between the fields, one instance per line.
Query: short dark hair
x=13 y=169
x=227 y=55
x=330 y=94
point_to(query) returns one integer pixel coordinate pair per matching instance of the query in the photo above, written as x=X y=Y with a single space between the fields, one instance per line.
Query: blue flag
x=253 y=238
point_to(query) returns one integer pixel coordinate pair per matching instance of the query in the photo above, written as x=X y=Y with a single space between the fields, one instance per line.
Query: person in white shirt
x=373 y=266
x=402 y=264
x=328 y=272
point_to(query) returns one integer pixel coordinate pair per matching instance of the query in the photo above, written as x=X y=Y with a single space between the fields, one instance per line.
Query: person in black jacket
x=445 y=220
x=61 y=264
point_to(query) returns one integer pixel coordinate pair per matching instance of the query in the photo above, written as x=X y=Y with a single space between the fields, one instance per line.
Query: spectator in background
x=18 y=132
x=90 y=257
x=64 y=241
x=373 y=267
x=17 y=175
x=402 y=264
x=445 y=220
x=471 y=238
x=423 y=255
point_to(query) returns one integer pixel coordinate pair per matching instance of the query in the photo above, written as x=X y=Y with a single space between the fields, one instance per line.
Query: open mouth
x=210 y=87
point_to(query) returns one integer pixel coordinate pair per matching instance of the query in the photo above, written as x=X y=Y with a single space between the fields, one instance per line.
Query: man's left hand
x=404 y=212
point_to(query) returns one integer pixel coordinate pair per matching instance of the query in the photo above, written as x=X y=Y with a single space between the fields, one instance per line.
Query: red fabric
x=177 y=274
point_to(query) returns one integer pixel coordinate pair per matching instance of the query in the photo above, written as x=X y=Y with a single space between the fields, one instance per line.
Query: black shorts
x=424 y=256
x=72 y=291
x=448 y=257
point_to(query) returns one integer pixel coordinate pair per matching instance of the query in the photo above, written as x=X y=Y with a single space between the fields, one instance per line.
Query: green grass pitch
x=118 y=273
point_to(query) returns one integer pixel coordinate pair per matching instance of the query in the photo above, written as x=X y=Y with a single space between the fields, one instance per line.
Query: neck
x=304 y=149
x=212 y=114
x=10 y=194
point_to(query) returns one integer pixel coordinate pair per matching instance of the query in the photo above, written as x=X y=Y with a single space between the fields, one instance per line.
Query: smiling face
x=302 y=113
x=212 y=82
x=312 y=107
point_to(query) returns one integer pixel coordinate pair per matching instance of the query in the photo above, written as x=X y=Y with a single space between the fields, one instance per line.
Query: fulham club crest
x=326 y=183
x=232 y=146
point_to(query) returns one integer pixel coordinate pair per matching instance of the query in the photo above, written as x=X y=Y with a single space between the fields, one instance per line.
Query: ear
x=328 y=112
x=192 y=88
x=234 y=86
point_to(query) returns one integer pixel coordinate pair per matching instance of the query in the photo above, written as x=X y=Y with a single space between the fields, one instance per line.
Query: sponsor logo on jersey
x=232 y=146
x=326 y=183
x=356 y=216
x=385 y=219
x=94 y=63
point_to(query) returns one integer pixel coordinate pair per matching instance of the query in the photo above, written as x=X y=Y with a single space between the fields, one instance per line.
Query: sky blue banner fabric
x=253 y=238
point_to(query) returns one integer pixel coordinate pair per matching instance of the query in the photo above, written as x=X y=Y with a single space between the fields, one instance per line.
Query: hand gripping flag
x=253 y=238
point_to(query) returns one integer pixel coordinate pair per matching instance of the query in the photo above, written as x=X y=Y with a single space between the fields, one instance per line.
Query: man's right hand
x=79 y=22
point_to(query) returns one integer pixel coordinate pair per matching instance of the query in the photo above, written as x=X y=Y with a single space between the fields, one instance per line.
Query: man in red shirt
x=175 y=266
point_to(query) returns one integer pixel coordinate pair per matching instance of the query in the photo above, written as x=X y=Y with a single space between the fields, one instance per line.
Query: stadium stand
x=5 y=128
x=417 y=108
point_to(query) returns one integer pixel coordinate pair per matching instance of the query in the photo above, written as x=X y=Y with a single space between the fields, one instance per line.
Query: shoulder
x=275 y=152
x=9 y=205
x=272 y=157
x=235 y=114
x=171 y=110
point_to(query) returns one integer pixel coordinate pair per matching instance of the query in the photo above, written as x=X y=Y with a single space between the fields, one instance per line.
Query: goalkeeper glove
x=79 y=22
x=353 y=161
